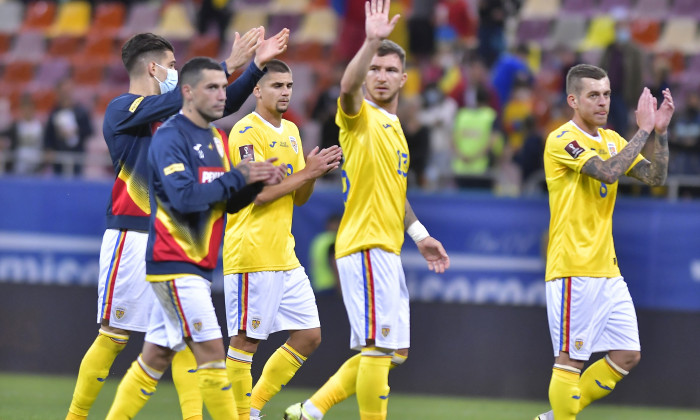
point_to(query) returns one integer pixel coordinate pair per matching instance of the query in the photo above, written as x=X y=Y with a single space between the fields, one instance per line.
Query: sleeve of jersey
x=238 y=91
x=244 y=142
x=621 y=144
x=129 y=111
x=301 y=162
x=351 y=122
x=567 y=151
x=185 y=193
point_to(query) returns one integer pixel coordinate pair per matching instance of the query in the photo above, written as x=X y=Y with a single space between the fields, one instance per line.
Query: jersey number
x=290 y=169
x=346 y=185
x=603 y=190
x=403 y=163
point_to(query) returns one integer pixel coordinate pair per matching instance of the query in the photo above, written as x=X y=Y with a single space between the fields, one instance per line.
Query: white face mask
x=170 y=82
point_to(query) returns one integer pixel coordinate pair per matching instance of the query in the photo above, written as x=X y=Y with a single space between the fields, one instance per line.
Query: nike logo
x=607 y=388
x=101 y=379
x=386 y=125
x=245 y=129
x=226 y=388
x=146 y=392
x=562 y=133
x=273 y=144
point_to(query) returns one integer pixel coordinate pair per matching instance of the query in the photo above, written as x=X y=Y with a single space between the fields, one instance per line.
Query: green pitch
x=29 y=397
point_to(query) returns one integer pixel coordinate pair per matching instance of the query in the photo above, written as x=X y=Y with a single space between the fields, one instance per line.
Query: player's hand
x=257 y=171
x=271 y=47
x=646 y=111
x=243 y=49
x=319 y=163
x=377 y=24
x=434 y=254
x=277 y=175
x=664 y=113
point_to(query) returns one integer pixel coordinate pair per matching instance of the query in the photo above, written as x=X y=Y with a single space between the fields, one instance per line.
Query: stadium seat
x=533 y=30
x=175 y=23
x=89 y=73
x=686 y=8
x=568 y=31
x=72 y=19
x=39 y=15
x=204 y=46
x=539 y=9
x=18 y=72
x=98 y=47
x=245 y=19
x=50 y=72
x=109 y=18
x=28 y=46
x=5 y=43
x=578 y=7
x=105 y=94
x=44 y=99
x=64 y=46
x=601 y=33
x=143 y=17
x=679 y=34
x=11 y=14
x=657 y=9
x=645 y=31
x=115 y=74
x=318 y=26
x=246 y=3
x=288 y=6
x=277 y=22
x=606 y=6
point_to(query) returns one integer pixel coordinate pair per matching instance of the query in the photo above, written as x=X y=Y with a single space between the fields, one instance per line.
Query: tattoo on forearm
x=609 y=171
x=245 y=170
x=654 y=173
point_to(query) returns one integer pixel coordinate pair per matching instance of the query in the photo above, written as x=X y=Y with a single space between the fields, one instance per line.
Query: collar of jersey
x=594 y=138
x=393 y=117
x=278 y=130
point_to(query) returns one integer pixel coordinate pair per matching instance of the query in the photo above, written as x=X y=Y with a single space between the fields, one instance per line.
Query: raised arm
x=654 y=173
x=609 y=171
x=377 y=28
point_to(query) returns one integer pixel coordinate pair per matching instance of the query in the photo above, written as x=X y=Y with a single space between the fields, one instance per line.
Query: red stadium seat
x=64 y=46
x=18 y=72
x=39 y=15
x=109 y=18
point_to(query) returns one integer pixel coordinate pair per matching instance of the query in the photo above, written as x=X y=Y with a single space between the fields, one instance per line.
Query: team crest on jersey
x=119 y=313
x=295 y=146
x=219 y=146
x=255 y=323
x=612 y=148
x=197 y=325
x=578 y=344
x=385 y=331
x=246 y=151
x=574 y=149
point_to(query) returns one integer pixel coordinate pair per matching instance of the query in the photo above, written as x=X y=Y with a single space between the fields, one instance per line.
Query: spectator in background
x=492 y=22
x=438 y=115
x=510 y=68
x=456 y=15
x=218 y=11
x=67 y=129
x=529 y=157
x=418 y=140
x=516 y=111
x=324 y=272
x=476 y=139
x=623 y=61
x=26 y=136
x=421 y=29
x=684 y=144
x=477 y=75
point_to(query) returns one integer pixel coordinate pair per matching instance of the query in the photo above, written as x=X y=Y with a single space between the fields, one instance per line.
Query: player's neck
x=588 y=128
x=389 y=106
x=274 y=118
x=143 y=87
x=195 y=116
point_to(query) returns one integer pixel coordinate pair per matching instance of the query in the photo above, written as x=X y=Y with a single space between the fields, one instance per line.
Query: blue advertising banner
x=50 y=233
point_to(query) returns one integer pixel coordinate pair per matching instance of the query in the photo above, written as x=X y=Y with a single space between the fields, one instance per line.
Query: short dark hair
x=141 y=44
x=191 y=72
x=277 y=66
x=390 y=47
x=578 y=72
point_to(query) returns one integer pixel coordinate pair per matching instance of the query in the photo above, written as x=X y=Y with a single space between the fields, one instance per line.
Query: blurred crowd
x=476 y=108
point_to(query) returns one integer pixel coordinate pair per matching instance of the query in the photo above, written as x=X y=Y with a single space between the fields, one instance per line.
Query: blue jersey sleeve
x=129 y=111
x=168 y=159
x=238 y=91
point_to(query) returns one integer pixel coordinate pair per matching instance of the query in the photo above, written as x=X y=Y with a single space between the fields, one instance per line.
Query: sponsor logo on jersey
x=273 y=144
x=209 y=174
x=246 y=128
x=255 y=323
x=386 y=125
x=562 y=133
x=175 y=167
x=578 y=343
x=295 y=146
x=612 y=148
x=574 y=149
x=605 y=387
x=601 y=152
x=197 y=326
x=246 y=151
x=135 y=104
x=385 y=331
x=119 y=313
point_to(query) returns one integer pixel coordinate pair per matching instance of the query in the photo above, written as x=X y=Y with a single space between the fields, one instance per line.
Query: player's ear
x=256 y=91
x=404 y=77
x=572 y=101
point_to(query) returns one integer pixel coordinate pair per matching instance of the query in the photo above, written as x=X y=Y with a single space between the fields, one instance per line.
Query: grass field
x=34 y=397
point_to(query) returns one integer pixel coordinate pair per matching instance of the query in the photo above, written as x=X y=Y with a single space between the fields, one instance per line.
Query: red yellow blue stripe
x=370 y=307
x=565 y=324
x=243 y=301
x=177 y=304
x=112 y=275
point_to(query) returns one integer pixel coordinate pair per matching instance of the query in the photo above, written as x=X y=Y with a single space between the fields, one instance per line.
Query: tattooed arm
x=609 y=171
x=654 y=173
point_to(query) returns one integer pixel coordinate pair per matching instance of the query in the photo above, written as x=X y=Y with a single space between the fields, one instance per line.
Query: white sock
x=254 y=412
x=311 y=409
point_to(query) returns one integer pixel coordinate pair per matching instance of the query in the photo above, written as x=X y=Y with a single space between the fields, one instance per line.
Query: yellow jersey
x=374 y=180
x=581 y=207
x=259 y=238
